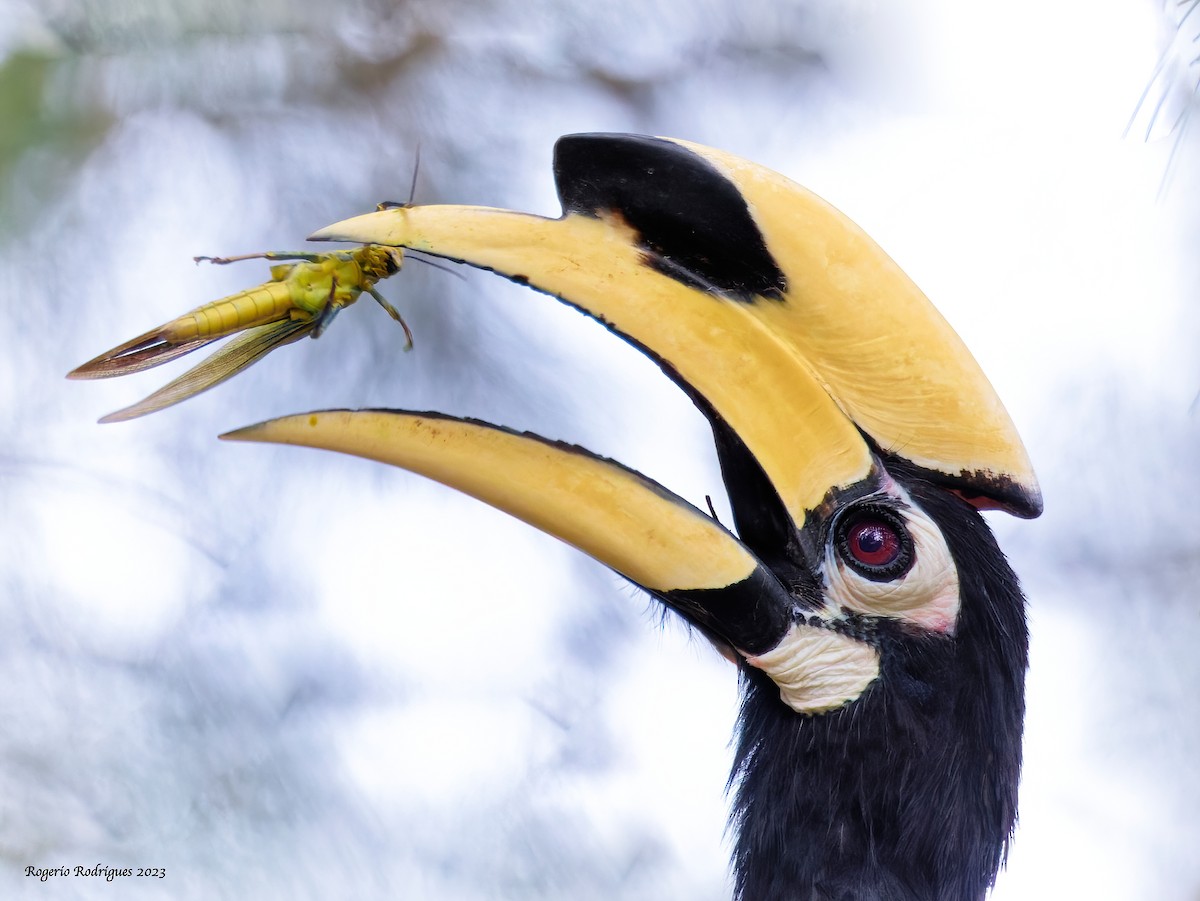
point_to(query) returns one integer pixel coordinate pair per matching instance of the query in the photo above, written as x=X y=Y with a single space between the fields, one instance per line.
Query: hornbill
x=879 y=633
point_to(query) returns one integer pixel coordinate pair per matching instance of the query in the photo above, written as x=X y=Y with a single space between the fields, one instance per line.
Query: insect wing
x=243 y=351
x=143 y=352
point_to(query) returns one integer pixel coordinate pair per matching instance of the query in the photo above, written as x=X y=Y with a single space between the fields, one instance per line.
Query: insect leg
x=328 y=311
x=395 y=314
x=267 y=255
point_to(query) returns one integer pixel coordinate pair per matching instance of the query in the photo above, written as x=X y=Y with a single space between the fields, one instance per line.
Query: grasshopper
x=305 y=293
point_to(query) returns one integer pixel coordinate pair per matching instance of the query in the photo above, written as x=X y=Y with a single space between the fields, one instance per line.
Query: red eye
x=873 y=542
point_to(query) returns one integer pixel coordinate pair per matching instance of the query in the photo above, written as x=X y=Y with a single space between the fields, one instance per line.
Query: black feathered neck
x=910 y=792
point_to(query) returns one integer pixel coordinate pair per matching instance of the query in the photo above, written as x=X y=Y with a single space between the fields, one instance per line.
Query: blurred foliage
x=37 y=121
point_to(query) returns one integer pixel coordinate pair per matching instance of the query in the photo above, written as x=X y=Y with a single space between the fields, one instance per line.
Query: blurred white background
x=281 y=674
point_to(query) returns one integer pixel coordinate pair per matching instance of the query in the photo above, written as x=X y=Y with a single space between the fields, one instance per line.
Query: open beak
x=814 y=357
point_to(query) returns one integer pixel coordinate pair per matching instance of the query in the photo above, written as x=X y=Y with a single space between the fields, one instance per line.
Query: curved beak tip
x=369 y=228
x=1033 y=503
x=294 y=429
x=246 y=433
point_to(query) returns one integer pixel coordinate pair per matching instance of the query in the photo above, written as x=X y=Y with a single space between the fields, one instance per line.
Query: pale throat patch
x=818 y=670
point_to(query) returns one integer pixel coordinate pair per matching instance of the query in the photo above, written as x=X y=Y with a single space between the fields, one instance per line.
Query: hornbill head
x=879 y=632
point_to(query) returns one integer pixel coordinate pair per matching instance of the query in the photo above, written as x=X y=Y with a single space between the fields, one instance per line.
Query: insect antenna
x=412 y=187
x=434 y=263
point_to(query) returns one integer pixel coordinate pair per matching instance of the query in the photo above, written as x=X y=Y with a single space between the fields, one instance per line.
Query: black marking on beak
x=693 y=222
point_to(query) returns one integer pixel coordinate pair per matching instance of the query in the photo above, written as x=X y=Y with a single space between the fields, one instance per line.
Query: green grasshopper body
x=317 y=288
x=304 y=295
